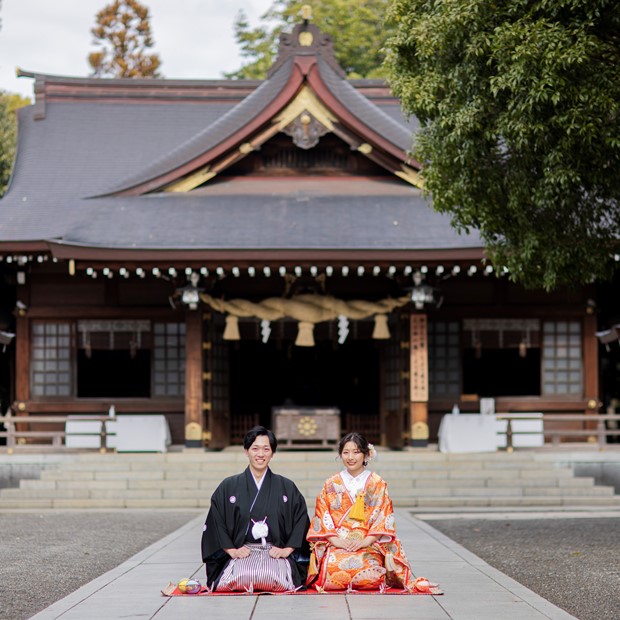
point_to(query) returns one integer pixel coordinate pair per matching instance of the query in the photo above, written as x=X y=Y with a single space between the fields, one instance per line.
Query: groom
x=254 y=537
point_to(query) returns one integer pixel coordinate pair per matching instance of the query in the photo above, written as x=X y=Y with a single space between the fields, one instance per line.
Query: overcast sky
x=194 y=38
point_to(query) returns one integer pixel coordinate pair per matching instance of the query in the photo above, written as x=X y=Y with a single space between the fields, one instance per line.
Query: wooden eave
x=130 y=91
x=249 y=257
x=24 y=247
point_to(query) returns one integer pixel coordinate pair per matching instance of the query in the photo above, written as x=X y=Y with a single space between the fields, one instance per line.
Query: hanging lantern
x=422 y=294
x=190 y=293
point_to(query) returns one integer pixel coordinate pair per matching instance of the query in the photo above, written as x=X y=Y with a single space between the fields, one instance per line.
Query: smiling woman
x=352 y=534
x=254 y=535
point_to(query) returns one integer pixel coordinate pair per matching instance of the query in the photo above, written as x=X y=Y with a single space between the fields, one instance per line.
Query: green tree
x=9 y=102
x=520 y=109
x=123 y=30
x=356 y=28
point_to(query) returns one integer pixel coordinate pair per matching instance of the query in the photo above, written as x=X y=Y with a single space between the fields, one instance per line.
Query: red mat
x=172 y=590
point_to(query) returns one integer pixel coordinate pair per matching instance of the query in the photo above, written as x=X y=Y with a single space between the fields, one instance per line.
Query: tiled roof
x=371 y=115
x=84 y=147
x=212 y=134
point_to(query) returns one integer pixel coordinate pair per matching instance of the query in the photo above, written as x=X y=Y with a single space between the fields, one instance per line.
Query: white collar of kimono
x=259 y=481
x=354 y=484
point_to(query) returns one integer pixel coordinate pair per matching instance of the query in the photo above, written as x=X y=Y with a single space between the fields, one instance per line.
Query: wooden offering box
x=306 y=427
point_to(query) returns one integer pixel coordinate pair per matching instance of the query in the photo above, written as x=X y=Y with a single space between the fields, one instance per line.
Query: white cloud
x=194 y=38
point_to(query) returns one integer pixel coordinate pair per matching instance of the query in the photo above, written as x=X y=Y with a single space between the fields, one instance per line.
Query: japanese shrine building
x=146 y=217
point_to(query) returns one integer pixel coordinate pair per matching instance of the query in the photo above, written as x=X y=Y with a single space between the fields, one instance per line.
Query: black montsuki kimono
x=229 y=524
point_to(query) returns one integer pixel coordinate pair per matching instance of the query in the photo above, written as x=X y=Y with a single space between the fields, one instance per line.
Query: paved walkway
x=473 y=589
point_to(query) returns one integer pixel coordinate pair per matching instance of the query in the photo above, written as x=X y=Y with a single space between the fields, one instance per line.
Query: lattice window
x=444 y=358
x=562 y=358
x=169 y=359
x=51 y=359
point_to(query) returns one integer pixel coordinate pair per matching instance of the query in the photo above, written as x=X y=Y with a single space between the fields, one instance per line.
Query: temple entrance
x=278 y=373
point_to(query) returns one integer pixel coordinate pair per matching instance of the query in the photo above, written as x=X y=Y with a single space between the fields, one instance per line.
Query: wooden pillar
x=22 y=348
x=418 y=373
x=22 y=361
x=194 y=424
x=590 y=370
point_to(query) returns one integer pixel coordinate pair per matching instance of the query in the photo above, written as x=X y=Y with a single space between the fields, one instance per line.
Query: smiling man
x=254 y=537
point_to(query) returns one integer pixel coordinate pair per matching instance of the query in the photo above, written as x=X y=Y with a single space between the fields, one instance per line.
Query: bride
x=352 y=533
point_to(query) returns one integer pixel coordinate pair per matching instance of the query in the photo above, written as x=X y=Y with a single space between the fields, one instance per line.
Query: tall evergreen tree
x=123 y=31
x=9 y=102
x=520 y=108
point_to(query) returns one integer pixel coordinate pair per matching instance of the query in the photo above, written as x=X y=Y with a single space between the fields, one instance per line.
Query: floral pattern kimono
x=382 y=564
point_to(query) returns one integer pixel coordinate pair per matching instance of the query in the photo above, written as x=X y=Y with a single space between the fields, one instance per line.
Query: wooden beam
x=590 y=370
x=590 y=361
x=22 y=359
x=102 y=406
x=22 y=347
x=101 y=312
x=237 y=256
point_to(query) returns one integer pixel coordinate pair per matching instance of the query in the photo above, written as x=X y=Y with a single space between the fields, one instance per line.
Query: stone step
x=396 y=479
x=396 y=485
x=294 y=470
x=546 y=481
x=518 y=502
x=502 y=492
x=307 y=458
x=460 y=503
x=118 y=490
x=424 y=479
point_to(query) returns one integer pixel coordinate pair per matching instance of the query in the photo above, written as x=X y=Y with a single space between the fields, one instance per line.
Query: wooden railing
x=592 y=425
x=17 y=437
x=599 y=426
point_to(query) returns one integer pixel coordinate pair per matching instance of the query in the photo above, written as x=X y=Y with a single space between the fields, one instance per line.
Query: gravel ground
x=46 y=555
x=573 y=563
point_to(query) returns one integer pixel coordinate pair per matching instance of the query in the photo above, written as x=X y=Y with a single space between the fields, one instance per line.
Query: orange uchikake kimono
x=382 y=564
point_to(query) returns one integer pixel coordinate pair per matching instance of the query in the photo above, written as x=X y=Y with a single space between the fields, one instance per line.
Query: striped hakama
x=257 y=572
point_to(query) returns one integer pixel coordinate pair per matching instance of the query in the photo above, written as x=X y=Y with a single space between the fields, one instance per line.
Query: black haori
x=235 y=504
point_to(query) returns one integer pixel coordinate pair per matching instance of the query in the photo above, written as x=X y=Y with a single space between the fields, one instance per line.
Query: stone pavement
x=473 y=589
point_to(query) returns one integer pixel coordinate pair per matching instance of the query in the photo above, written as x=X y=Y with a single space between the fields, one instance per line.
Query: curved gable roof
x=298 y=65
x=373 y=117
x=235 y=121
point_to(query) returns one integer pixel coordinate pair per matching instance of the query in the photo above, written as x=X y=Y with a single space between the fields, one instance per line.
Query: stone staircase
x=418 y=479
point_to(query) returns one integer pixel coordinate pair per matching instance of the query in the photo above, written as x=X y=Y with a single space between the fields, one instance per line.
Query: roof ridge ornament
x=306 y=39
x=306 y=12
